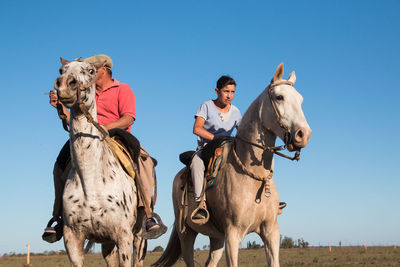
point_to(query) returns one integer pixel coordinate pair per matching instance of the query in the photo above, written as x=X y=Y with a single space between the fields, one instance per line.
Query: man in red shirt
x=115 y=109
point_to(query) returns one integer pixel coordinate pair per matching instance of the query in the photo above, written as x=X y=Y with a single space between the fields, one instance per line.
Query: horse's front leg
x=271 y=241
x=125 y=245
x=233 y=237
x=74 y=245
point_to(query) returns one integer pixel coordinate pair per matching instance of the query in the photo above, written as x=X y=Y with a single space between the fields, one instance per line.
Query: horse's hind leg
x=271 y=244
x=139 y=250
x=216 y=250
x=109 y=252
x=187 y=243
x=74 y=245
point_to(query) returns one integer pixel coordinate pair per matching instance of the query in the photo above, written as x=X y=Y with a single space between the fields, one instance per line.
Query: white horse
x=99 y=198
x=244 y=198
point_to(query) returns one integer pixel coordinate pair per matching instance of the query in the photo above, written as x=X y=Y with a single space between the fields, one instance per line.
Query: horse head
x=284 y=102
x=74 y=85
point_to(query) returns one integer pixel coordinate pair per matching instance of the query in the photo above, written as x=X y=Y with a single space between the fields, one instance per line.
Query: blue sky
x=346 y=58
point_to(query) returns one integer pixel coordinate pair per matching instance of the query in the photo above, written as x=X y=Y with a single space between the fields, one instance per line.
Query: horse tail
x=172 y=252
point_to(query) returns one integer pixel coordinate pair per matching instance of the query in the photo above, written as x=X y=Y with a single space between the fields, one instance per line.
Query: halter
x=83 y=109
x=273 y=149
x=287 y=135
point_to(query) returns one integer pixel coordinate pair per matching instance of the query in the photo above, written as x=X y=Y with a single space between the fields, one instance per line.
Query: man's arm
x=123 y=123
x=54 y=100
x=198 y=129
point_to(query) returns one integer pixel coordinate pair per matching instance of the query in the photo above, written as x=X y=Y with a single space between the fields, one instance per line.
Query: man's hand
x=53 y=98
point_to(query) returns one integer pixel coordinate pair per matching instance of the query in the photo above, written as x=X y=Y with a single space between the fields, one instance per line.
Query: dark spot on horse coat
x=70 y=196
x=92 y=208
x=85 y=220
x=130 y=199
x=76 y=200
x=104 y=180
x=79 y=220
x=112 y=209
x=124 y=198
x=117 y=203
x=88 y=146
x=123 y=257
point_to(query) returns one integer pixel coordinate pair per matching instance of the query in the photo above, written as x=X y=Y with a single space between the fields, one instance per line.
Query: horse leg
x=216 y=250
x=74 y=243
x=271 y=244
x=187 y=243
x=125 y=244
x=109 y=252
x=139 y=250
x=232 y=242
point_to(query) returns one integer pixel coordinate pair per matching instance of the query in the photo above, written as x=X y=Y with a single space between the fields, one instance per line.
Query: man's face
x=226 y=94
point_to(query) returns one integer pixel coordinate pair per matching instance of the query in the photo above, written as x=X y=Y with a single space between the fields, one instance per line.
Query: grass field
x=344 y=256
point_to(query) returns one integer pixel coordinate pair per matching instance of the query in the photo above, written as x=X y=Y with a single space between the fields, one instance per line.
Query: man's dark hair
x=109 y=72
x=225 y=80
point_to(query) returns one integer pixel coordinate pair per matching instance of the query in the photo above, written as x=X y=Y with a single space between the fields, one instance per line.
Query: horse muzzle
x=299 y=139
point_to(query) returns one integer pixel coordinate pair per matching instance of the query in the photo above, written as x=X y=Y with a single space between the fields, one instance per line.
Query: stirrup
x=155 y=233
x=200 y=221
x=53 y=234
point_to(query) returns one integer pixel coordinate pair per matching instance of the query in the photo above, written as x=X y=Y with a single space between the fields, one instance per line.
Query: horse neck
x=87 y=148
x=251 y=129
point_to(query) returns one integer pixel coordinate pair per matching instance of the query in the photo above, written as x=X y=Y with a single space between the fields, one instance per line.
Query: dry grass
x=345 y=256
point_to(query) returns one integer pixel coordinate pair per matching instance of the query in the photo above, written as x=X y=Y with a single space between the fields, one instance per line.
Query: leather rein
x=273 y=149
x=83 y=109
x=287 y=135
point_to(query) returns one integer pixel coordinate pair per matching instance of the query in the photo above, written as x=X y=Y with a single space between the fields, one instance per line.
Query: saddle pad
x=122 y=155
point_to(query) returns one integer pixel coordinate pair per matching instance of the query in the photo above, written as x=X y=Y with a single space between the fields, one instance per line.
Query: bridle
x=82 y=108
x=287 y=134
x=273 y=149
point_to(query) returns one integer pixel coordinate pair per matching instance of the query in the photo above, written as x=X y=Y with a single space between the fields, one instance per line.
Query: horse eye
x=279 y=97
x=91 y=71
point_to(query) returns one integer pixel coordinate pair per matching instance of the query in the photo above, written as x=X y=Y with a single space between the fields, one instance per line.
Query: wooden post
x=365 y=245
x=330 y=248
x=394 y=245
x=28 y=256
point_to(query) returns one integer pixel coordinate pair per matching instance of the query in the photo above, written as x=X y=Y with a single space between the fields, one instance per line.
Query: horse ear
x=99 y=65
x=63 y=61
x=292 y=77
x=278 y=73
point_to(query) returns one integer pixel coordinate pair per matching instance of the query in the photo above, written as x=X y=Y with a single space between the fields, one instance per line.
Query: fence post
x=28 y=255
x=330 y=248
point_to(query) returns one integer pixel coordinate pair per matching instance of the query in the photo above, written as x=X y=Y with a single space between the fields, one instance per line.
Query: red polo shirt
x=114 y=102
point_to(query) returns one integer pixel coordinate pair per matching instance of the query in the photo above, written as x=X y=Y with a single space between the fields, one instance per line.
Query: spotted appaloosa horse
x=233 y=201
x=99 y=197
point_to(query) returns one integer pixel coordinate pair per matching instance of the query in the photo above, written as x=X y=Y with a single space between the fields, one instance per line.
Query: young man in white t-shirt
x=215 y=118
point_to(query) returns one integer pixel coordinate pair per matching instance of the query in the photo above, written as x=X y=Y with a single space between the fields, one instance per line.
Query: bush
x=158 y=249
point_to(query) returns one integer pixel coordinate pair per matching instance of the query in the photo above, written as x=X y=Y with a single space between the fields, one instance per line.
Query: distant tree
x=253 y=245
x=158 y=249
x=287 y=242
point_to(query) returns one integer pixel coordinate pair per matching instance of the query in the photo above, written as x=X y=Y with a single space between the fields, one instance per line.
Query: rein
x=273 y=149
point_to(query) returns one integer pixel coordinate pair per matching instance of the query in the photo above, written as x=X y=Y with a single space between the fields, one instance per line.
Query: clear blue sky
x=346 y=57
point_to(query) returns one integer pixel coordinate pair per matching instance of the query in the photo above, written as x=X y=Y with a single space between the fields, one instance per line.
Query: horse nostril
x=299 y=136
x=72 y=83
x=58 y=82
